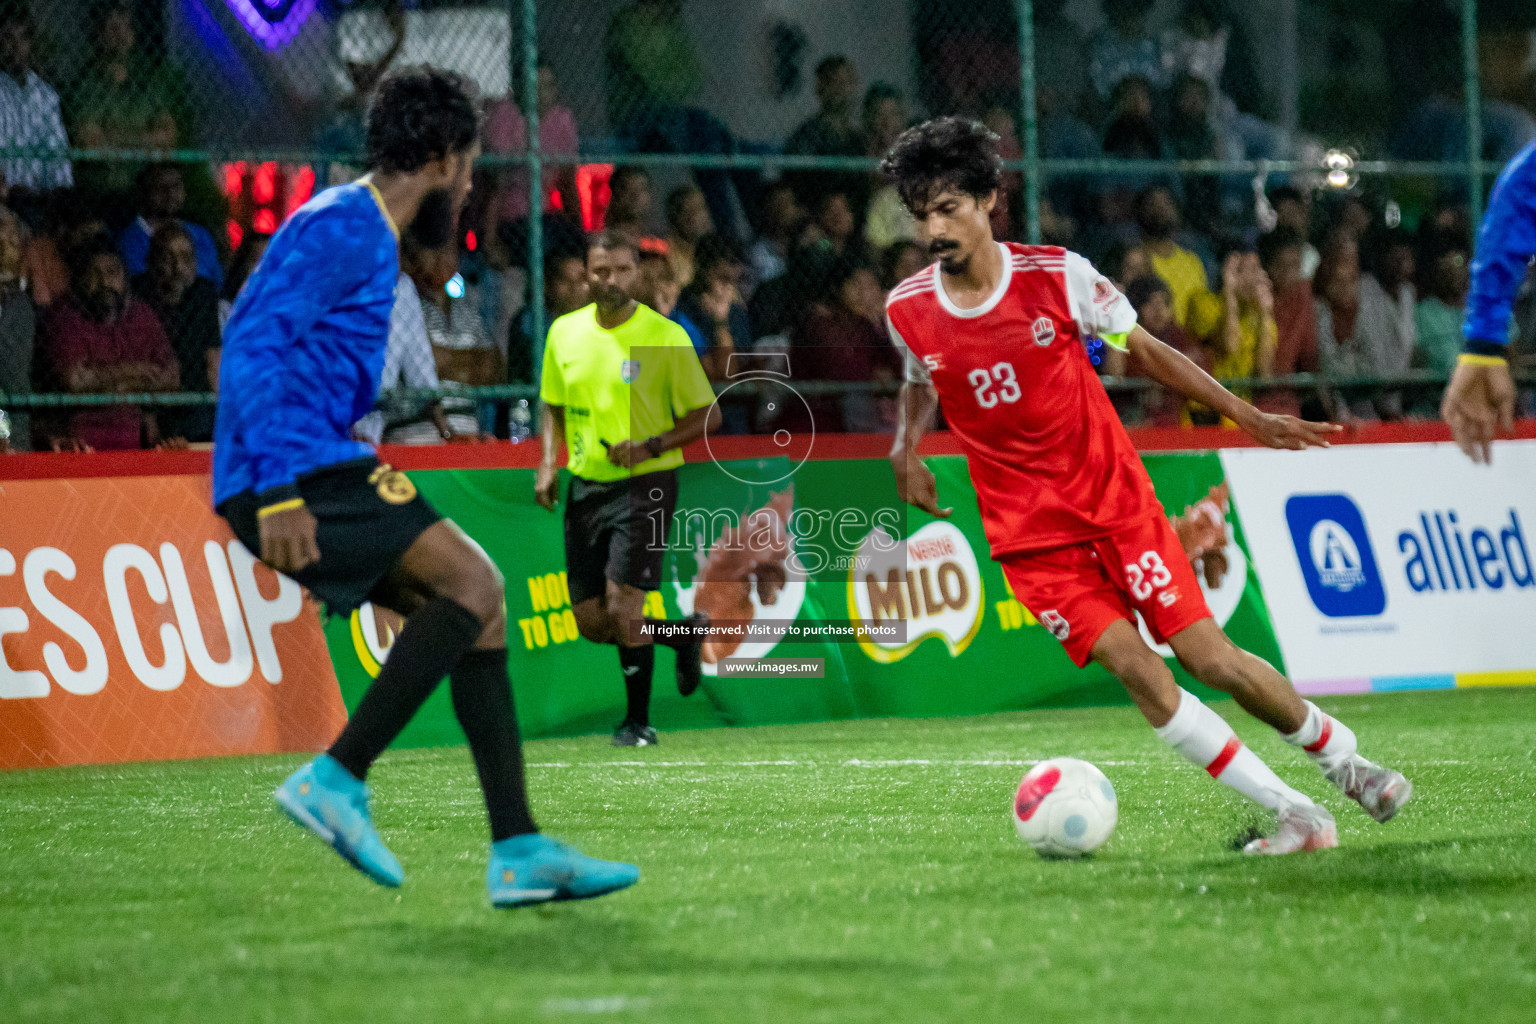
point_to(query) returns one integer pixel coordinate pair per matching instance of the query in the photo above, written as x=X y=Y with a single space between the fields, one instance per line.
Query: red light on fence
x=471 y=242
x=266 y=222
x=234 y=179
x=593 y=192
x=303 y=188
x=264 y=187
x=235 y=234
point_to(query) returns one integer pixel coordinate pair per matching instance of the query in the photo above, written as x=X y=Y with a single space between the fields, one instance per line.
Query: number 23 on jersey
x=994 y=385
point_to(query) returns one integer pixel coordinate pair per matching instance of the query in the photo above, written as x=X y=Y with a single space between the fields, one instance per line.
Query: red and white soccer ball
x=1065 y=808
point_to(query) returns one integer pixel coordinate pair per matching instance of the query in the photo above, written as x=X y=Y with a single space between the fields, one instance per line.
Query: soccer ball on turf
x=1065 y=808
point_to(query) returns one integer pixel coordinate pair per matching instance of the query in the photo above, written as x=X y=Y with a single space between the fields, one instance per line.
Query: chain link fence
x=762 y=123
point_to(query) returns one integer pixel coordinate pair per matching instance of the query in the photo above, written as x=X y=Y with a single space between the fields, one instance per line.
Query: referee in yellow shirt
x=623 y=387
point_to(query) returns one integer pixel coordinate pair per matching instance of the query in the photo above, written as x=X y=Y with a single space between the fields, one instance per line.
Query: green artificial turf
x=850 y=871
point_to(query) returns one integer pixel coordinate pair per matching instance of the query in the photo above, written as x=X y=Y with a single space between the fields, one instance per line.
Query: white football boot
x=1381 y=791
x=1303 y=828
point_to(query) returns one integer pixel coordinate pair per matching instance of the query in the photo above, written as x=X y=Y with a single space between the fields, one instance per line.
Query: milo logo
x=931 y=582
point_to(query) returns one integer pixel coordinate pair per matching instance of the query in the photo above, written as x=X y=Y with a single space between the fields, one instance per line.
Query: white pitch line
x=869 y=763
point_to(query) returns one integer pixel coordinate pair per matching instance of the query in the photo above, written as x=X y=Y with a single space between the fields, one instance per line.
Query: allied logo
x=1044 y=331
x=1103 y=292
x=629 y=370
x=1335 y=555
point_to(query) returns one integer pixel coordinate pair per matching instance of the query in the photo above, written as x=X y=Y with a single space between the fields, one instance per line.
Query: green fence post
x=1474 y=99
x=1029 y=120
x=535 y=166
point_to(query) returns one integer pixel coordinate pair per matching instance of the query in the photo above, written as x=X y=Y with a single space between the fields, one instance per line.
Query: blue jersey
x=1505 y=244
x=304 y=346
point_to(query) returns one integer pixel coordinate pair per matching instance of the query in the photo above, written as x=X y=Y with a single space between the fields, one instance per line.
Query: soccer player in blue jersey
x=302 y=357
x=1479 y=403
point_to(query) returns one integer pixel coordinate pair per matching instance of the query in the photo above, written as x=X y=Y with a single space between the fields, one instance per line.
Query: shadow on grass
x=564 y=940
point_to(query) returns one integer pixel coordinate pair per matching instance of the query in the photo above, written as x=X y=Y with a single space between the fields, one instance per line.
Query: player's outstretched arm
x=546 y=482
x=1479 y=403
x=914 y=480
x=1172 y=369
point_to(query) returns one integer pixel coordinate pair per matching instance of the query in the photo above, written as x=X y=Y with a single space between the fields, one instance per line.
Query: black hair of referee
x=423 y=133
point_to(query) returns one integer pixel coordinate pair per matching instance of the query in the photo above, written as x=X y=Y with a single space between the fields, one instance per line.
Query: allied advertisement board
x=1399 y=566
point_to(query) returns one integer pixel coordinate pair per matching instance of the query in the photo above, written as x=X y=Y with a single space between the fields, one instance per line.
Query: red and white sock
x=1204 y=737
x=1326 y=740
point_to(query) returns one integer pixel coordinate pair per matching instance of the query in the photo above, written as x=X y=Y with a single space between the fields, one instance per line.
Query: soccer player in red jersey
x=995 y=331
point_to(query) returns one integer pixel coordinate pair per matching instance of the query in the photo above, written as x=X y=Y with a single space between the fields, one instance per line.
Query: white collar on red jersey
x=992 y=300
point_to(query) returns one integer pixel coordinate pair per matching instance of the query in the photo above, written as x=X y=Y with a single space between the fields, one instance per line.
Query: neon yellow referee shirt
x=627 y=384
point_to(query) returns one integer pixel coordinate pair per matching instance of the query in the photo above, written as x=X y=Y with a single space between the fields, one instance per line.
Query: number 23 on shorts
x=1147 y=575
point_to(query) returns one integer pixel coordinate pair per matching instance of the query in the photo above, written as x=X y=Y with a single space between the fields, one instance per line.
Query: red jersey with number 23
x=1049 y=459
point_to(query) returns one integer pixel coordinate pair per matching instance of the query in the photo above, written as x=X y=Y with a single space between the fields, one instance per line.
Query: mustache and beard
x=435 y=220
x=105 y=304
x=610 y=298
x=943 y=250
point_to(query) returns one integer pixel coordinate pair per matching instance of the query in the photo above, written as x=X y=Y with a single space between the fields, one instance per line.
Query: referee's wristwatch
x=653 y=445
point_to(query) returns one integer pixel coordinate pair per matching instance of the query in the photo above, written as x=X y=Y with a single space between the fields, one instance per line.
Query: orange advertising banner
x=133 y=626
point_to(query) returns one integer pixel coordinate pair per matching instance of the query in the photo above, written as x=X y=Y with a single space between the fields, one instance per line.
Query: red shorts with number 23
x=1078 y=591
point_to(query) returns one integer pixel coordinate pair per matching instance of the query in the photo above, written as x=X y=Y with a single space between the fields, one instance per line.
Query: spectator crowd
x=109 y=283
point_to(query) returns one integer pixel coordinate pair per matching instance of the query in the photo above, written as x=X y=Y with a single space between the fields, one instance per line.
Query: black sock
x=674 y=637
x=482 y=701
x=638 y=663
x=433 y=641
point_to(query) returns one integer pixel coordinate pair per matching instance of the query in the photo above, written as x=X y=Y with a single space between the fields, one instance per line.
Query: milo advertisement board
x=833 y=599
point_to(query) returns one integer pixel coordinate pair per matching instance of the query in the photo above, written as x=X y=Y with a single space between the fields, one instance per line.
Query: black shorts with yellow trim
x=367 y=516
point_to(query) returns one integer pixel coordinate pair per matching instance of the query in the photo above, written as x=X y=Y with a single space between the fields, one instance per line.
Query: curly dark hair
x=420 y=114
x=945 y=153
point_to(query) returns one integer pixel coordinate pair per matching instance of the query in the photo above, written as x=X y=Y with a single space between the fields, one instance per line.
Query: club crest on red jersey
x=1044 y=331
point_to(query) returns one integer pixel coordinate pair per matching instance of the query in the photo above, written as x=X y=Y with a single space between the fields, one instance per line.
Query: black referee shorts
x=617 y=531
x=368 y=515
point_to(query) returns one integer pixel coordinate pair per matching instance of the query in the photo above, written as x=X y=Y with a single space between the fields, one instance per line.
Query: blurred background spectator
x=712 y=302
x=125 y=99
x=187 y=305
x=832 y=131
x=162 y=197
x=506 y=132
x=29 y=110
x=565 y=291
x=688 y=220
x=18 y=325
x=101 y=340
x=655 y=79
x=462 y=349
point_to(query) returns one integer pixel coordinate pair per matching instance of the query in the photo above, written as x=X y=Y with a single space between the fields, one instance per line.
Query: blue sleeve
x=314 y=274
x=133 y=243
x=207 y=255
x=700 y=345
x=1505 y=244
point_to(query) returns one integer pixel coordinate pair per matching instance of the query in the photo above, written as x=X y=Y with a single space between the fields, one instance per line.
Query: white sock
x=1326 y=740
x=1204 y=737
